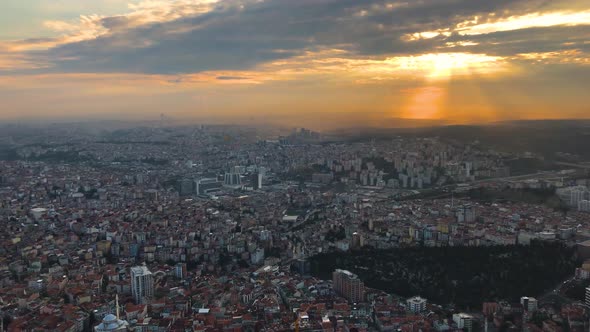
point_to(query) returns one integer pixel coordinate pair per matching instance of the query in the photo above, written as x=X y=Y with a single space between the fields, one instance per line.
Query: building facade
x=142 y=284
x=348 y=285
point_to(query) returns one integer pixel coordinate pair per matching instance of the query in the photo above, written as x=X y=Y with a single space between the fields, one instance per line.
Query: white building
x=142 y=284
x=110 y=323
x=463 y=321
x=529 y=303
x=232 y=179
x=466 y=213
x=577 y=194
x=207 y=185
x=257 y=257
x=416 y=304
x=37 y=213
x=259 y=180
x=584 y=205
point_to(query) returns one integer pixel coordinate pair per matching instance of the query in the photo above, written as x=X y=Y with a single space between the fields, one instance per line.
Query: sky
x=315 y=63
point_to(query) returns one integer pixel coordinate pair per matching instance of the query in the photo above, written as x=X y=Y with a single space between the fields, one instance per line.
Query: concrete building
x=584 y=205
x=463 y=321
x=37 y=213
x=207 y=185
x=232 y=179
x=348 y=285
x=357 y=240
x=416 y=304
x=142 y=284
x=257 y=180
x=185 y=187
x=257 y=257
x=577 y=194
x=180 y=270
x=466 y=213
x=528 y=303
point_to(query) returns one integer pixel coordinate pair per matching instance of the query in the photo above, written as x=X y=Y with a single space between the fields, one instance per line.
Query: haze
x=318 y=63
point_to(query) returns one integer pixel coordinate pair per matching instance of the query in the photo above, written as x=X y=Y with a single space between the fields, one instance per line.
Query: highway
x=585 y=165
x=506 y=178
x=557 y=292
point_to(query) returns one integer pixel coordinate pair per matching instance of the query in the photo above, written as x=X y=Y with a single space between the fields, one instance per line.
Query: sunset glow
x=397 y=59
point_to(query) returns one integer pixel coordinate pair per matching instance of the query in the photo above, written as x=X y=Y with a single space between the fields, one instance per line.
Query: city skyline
x=325 y=62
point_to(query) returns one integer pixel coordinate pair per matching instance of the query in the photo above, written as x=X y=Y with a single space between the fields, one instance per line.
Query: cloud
x=185 y=37
x=231 y=78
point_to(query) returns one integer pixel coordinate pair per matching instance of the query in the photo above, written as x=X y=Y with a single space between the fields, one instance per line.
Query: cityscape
x=294 y=165
x=210 y=228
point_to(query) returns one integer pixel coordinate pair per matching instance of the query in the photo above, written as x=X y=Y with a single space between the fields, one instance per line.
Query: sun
x=441 y=66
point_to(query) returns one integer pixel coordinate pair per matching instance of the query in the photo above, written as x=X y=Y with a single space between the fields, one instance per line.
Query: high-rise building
x=357 y=240
x=206 y=186
x=348 y=285
x=587 y=296
x=232 y=179
x=466 y=213
x=463 y=321
x=416 y=304
x=528 y=303
x=142 y=284
x=257 y=257
x=584 y=205
x=239 y=169
x=180 y=270
x=185 y=187
x=577 y=194
x=257 y=180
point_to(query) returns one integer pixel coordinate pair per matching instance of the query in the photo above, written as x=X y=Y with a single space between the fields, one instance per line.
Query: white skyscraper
x=577 y=194
x=142 y=284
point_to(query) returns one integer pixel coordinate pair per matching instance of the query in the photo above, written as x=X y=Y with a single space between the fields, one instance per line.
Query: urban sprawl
x=212 y=228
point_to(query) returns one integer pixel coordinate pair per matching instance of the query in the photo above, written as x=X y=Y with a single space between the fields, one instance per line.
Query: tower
x=348 y=285
x=142 y=284
x=117 y=305
x=112 y=323
x=257 y=180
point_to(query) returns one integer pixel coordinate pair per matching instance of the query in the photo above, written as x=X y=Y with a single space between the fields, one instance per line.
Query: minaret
x=117 y=304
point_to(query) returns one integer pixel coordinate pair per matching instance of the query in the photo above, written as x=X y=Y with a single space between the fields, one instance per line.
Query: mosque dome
x=111 y=323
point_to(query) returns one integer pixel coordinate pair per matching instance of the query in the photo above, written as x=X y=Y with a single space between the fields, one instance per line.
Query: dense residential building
x=207 y=185
x=416 y=304
x=529 y=304
x=463 y=321
x=239 y=256
x=348 y=285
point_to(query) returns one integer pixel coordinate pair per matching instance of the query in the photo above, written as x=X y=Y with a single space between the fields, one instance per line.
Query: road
x=556 y=292
x=586 y=166
x=506 y=178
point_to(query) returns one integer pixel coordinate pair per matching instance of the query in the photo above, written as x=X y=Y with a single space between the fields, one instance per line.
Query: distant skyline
x=317 y=63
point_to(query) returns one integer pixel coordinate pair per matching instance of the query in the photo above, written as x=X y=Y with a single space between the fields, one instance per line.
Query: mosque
x=112 y=323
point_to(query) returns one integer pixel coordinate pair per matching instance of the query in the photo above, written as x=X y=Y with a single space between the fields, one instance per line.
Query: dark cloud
x=530 y=40
x=234 y=38
x=231 y=78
